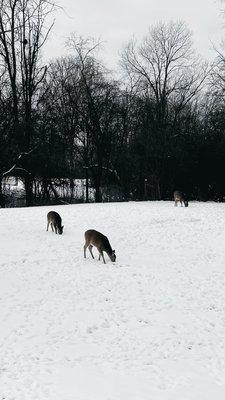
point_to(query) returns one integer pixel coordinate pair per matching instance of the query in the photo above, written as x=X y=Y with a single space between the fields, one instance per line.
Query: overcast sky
x=115 y=21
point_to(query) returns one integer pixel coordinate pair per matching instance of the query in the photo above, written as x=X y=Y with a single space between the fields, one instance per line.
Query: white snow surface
x=150 y=326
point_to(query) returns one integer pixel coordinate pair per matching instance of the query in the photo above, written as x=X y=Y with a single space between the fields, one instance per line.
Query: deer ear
x=113 y=251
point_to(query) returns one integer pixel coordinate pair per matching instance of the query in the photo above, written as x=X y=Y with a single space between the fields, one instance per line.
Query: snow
x=150 y=326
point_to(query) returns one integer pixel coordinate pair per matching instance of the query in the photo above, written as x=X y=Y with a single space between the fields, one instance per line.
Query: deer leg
x=175 y=204
x=47 y=225
x=85 y=248
x=101 y=254
x=52 y=226
x=181 y=203
x=90 y=249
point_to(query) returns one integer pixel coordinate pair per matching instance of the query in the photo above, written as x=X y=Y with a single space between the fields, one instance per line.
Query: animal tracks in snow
x=149 y=326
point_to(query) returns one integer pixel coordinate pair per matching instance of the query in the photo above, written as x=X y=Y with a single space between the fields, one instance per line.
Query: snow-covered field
x=151 y=326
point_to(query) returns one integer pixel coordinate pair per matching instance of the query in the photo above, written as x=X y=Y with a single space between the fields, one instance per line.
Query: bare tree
x=97 y=110
x=23 y=33
x=168 y=74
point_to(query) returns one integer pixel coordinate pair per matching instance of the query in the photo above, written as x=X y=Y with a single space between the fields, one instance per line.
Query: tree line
x=158 y=126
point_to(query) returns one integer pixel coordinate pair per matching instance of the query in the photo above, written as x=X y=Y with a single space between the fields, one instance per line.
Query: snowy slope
x=149 y=327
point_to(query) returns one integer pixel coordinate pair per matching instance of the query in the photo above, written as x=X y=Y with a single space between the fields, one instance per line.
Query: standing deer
x=97 y=239
x=54 y=219
x=180 y=197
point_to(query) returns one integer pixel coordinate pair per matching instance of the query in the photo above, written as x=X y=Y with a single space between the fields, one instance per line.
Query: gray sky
x=115 y=21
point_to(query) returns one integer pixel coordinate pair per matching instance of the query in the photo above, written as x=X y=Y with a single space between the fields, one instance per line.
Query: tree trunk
x=159 y=195
x=87 y=186
x=28 y=183
x=2 y=197
x=71 y=189
x=97 y=182
x=98 y=195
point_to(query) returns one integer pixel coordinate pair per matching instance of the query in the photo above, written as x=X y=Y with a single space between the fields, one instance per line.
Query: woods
x=157 y=127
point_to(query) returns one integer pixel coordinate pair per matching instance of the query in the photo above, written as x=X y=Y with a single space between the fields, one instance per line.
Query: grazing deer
x=97 y=239
x=54 y=219
x=179 y=196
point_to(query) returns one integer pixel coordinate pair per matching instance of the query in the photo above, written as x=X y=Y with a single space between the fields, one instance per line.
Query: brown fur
x=54 y=219
x=180 y=197
x=97 y=239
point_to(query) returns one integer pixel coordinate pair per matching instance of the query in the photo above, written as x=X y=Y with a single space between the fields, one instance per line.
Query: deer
x=180 y=197
x=97 y=239
x=54 y=219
